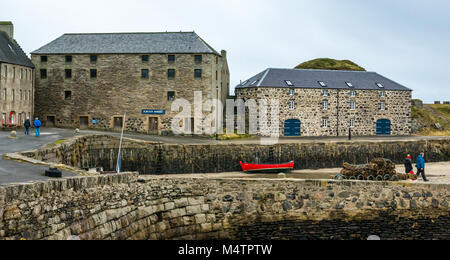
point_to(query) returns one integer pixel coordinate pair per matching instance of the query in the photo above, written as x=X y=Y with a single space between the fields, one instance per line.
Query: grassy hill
x=330 y=64
x=424 y=120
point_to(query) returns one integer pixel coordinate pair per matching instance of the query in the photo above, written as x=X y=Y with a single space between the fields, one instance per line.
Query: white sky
x=406 y=41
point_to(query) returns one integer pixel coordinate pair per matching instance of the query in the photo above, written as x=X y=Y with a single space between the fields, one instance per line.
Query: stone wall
x=151 y=158
x=309 y=109
x=125 y=207
x=119 y=88
x=16 y=94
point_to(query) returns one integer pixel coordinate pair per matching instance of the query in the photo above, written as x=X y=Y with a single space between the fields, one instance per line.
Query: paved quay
x=17 y=172
x=437 y=173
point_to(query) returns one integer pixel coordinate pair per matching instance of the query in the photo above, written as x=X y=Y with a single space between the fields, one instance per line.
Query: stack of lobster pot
x=379 y=169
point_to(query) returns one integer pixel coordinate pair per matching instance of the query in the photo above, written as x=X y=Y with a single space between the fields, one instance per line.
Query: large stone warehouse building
x=16 y=80
x=90 y=80
x=329 y=103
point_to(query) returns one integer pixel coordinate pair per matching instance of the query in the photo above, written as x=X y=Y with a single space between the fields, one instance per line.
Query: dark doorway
x=153 y=125
x=118 y=123
x=189 y=128
x=50 y=121
x=84 y=122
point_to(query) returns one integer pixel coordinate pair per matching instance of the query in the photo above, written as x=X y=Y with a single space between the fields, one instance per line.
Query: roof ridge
x=263 y=77
x=127 y=33
x=326 y=70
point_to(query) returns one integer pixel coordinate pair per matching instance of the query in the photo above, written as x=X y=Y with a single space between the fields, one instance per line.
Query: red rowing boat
x=267 y=168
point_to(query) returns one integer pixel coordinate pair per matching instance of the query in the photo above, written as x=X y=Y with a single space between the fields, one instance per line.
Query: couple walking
x=37 y=126
x=420 y=165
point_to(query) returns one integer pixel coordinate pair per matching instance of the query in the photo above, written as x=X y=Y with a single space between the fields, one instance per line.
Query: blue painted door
x=383 y=127
x=292 y=127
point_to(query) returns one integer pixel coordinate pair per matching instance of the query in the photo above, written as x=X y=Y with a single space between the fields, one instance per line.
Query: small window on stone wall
x=144 y=73
x=171 y=73
x=93 y=58
x=198 y=58
x=171 y=96
x=145 y=58
x=69 y=58
x=68 y=95
x=44 y=59
x=68 y=73
x=43 y=73
x=198 y=73
x=93 y=73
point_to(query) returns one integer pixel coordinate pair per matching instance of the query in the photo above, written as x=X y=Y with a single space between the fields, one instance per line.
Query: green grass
x=234 y=136
x=438 y=114
x=330 y=64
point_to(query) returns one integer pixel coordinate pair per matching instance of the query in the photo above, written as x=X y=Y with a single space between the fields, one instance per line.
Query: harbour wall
x=129 y=206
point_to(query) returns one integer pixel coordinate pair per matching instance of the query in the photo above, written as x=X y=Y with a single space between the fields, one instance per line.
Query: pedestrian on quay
x=420 y=164
x=37 y=127
x=27 y=126
x=408 y=166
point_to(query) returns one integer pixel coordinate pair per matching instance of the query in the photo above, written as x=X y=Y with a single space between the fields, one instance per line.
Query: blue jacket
x=420 y=162
x=37 y=123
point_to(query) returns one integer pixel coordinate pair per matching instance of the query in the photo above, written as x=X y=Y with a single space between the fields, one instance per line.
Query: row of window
x=326 y=94
x=325 y=105
x=12 y=118
x=325 y=122
x=145 y=73
x=171 y=58
x=23 y=95
x=170 y=95
x=23 y=73
x=324 y=85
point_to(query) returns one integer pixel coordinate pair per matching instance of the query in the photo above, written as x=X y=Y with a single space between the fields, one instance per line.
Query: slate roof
x=12 y=53
x=127 y=43
x=307 y=78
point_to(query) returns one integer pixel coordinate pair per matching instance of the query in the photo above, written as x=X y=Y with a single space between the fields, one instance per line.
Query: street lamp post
x=217 y=113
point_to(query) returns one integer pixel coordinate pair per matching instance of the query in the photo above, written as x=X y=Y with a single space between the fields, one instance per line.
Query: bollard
x=13 y=135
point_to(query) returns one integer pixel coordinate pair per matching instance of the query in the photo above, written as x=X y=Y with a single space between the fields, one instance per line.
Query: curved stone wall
x=127 y=206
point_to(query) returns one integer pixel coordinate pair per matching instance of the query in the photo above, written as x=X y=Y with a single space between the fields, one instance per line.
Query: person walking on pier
x=37 y=127
x=408 y=166
x=420 y=164
x=27 y=126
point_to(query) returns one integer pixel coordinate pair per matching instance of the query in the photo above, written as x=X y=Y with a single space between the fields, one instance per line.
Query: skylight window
x=289 y=83
x=322 y=84
x=379 y=85
x=254 y=82
x=350 y=85
x=245 y=82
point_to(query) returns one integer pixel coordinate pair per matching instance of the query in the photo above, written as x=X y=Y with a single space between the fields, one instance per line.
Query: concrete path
x=17 y=172
x=437 y=173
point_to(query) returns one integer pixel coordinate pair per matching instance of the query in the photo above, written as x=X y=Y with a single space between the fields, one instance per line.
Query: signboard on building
x=153 y=112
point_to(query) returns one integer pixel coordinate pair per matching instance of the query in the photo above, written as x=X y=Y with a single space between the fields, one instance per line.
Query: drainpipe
x=337 y=114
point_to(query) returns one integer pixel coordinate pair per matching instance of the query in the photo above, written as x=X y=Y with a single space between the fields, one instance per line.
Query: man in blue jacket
x=420 y=164
x=37 y=127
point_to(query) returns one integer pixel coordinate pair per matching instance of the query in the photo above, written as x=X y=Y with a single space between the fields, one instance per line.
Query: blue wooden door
x=292 y=127
x=383 y=127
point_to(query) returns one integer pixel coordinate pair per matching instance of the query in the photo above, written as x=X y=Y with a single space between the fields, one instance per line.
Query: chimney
x=8 y=28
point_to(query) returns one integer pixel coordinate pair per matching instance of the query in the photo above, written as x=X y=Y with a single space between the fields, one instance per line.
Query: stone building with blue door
x=89 y=80
x=332 y=103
